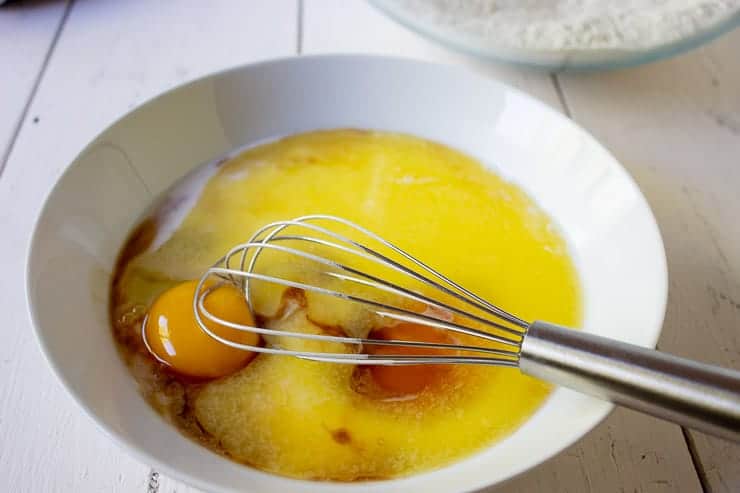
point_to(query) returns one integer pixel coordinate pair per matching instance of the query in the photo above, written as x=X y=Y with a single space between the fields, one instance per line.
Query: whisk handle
x=689 y=393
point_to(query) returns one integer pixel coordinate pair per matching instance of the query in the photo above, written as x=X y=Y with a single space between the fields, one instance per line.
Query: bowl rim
x=127 y=446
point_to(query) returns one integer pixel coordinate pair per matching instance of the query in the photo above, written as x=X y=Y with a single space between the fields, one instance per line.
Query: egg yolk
x=175 y=338
x=409 y=379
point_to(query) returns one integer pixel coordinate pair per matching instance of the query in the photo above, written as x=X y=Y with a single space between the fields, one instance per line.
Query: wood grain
x=110 y=56
x=675 y=125
x=27 y=35
x=628 y=452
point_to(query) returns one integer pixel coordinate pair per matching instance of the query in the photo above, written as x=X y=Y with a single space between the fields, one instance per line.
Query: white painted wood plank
x=610 y=457
x=676 y=126
x=354 y=26
x=27 y=32
x=111 y=56
x=628 y=452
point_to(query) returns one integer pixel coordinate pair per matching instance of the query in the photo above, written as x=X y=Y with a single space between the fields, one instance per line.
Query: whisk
x=687 y=392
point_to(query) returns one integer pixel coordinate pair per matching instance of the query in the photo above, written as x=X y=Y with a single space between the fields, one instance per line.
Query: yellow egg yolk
x=175 y=338
x=408 y=379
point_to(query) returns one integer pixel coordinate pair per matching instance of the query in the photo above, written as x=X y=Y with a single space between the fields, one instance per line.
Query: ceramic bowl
x=606 y=220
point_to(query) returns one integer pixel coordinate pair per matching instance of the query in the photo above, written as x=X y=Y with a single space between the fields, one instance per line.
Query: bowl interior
x=611 y=231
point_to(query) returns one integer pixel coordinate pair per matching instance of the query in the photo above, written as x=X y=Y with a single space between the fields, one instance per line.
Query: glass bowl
x=558 y=60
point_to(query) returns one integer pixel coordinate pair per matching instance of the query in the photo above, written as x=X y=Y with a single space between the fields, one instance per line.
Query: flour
x=573 y=24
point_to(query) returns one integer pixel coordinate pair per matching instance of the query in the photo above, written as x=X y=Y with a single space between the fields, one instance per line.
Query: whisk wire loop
x=452 y=288
x=507 y=330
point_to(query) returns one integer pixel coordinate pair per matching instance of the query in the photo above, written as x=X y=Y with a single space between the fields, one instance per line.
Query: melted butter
x=303 y=419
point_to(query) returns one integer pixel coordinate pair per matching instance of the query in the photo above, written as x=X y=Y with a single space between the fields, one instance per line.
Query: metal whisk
x=686 y=392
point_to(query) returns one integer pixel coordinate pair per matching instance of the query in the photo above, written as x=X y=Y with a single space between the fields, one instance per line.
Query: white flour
x=574 y=24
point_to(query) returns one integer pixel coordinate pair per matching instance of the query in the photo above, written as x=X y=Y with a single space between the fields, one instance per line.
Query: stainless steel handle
x=689 y=393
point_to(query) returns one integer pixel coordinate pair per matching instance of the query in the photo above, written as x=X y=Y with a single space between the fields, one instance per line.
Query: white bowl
x=611 y=231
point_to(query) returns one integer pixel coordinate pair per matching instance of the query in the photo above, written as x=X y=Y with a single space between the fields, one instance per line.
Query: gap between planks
x=42 y=70
x=299 y=28
x=695 y=460
x=561 y=95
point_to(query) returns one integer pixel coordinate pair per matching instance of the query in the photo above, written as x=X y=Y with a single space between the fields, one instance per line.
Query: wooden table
x=70 y=68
